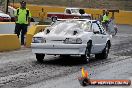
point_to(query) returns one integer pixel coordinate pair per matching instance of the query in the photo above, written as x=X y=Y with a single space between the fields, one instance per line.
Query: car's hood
x=63 y=30
x=4 y=15
x=62 y=35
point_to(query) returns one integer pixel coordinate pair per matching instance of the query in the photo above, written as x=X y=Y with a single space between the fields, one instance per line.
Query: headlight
x=73 y=41
x=38 y=40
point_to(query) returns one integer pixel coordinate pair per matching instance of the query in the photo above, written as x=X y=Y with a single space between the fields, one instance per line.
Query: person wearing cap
x=22 y=20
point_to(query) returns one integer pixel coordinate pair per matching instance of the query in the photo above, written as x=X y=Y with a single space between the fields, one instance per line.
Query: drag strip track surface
x=20 y=69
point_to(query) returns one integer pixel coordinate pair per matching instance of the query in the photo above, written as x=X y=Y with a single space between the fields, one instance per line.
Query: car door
x=97 y=38
x=104 y=35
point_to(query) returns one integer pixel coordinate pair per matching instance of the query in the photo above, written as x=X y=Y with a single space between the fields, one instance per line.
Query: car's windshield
x=63 y=26
x=67 y=24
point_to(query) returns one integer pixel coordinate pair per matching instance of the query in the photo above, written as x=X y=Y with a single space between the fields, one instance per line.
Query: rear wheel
x=86 y=57
x=85 y=82
x=104 y=53
x=40 y=57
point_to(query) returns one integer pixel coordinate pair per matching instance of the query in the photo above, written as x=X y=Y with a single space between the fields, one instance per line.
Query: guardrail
x=9 y=40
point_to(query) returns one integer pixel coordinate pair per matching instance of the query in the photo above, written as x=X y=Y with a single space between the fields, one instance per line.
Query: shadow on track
x=68 y=61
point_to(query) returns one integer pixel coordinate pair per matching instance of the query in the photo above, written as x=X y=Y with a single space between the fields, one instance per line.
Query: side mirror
x=47 y=31
x=54 y=19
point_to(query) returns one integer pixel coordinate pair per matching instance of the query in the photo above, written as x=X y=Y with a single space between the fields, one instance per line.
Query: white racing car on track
x=72 y=37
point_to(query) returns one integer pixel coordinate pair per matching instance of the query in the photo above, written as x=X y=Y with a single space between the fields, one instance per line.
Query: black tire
x=104 y=53
x=86 y=57
x=85 y=82
x=40 y=57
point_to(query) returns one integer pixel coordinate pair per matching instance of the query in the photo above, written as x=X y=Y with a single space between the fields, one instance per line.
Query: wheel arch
x=109 y=43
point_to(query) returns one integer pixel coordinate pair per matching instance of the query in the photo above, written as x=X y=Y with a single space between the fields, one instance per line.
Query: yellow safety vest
x=22 y=15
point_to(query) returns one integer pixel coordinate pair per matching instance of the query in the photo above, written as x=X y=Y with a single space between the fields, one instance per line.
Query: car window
x=75 y=10
x=68 y=11
x=86 y=26
x=95 y=27
x=101 y=27
x=63 y=26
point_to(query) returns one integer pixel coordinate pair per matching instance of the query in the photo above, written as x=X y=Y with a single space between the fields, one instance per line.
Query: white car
x=72 y=37
x=4 y=17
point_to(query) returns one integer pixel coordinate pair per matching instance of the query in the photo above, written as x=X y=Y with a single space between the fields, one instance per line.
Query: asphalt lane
x=20 y=69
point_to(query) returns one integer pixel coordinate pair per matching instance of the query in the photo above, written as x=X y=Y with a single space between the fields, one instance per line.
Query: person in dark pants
x=22 y=20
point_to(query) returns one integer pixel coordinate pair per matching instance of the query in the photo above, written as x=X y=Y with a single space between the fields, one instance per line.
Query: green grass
x=108 y=4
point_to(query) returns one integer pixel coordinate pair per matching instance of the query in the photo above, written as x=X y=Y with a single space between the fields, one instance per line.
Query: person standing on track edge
x=22 y=20
x=105 y=20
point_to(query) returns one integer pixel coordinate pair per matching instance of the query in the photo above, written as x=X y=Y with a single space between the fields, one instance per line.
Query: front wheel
x=40 y=57
x=86 y=57
x=104 y=53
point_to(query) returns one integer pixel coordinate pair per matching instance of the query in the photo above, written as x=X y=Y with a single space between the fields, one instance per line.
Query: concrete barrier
x=32 y=31
x=9 y=42
x=124 y=17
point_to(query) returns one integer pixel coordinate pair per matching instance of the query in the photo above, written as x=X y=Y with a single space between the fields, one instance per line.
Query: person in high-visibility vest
x=22 y=20
x=101 y=16
x=105 y=20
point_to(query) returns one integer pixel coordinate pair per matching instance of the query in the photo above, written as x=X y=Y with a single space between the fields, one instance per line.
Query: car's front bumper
x=57 y=49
